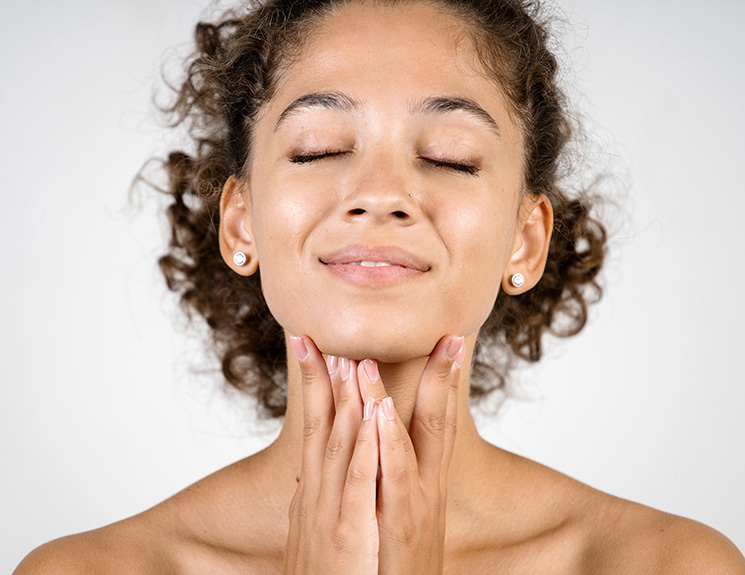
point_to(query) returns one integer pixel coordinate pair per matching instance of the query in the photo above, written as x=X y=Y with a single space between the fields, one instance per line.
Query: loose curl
x=233 y=73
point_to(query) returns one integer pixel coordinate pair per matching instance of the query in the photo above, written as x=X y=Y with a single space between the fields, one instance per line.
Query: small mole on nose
x=409 y=195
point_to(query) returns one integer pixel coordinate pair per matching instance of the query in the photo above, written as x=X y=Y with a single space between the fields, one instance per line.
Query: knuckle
x=434 y=424
x=445 y=373
x=339 y=537
x=345 y=395
x=311 y=426
x=357 y=477
x=308 y=376
x=363 y=441
x=452 y=425
x=334 y=449
x=454 y=385
x=398 y=475
x=454 y=382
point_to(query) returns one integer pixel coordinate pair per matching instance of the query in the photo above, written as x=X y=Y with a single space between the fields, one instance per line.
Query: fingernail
x=454 y=347
x=344 y=368
x=371 y=369
x=461 y=355
x=369 y=409
x=388 y=410
x=299 y=346
x=332 y=364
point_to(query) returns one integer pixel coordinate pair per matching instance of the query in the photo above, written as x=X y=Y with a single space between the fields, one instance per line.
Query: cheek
x=282 y=223
x=482 y=239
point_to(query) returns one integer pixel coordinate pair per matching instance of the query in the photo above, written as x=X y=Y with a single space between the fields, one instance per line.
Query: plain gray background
x=100 y=416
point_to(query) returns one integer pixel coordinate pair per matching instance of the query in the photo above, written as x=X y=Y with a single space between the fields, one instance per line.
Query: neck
x=401 y=381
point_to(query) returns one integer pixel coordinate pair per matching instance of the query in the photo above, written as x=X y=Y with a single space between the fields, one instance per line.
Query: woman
x=389 y=167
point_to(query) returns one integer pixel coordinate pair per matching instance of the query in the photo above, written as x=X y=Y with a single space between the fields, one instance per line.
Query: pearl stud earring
x=517 y=280
x=239 y=259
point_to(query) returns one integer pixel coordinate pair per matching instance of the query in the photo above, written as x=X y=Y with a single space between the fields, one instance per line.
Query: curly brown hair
x=233 y=73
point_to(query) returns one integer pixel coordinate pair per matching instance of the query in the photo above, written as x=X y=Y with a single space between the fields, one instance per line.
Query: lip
x=346 y=262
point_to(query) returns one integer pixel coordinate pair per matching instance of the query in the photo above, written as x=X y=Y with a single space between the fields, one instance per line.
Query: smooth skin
x=387 y=174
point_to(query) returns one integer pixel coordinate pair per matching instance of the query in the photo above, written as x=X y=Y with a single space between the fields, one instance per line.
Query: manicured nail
x=332 y=364
x=454 y=347
x=371 y=369
x=461 y=355
x=369 y=409
x=388 y=410
x=299 y=346
x=344 y=368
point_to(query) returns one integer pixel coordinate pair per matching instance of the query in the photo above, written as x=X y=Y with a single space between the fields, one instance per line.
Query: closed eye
x=307 y=157
x=469 y=169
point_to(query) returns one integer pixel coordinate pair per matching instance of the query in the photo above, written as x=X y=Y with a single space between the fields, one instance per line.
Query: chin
x=398 y=352
x=386 y=333
x=382 y=341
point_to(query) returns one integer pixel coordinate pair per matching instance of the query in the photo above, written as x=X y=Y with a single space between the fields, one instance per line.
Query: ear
x=533 y=236
x=235 y=227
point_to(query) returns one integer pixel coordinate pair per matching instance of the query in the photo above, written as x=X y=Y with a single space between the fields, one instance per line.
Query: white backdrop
x=99 y=415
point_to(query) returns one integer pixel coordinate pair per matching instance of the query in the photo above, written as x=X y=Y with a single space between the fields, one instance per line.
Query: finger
x=370 y=382
x=342 y=439
x=432 y=425
x=451 y=418
x=398 y=472
x=398 y=450
x=358 y=498
x=332 y=366
x=318 y=408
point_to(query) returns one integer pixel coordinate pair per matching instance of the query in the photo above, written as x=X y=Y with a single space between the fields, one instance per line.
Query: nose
x=381 y=193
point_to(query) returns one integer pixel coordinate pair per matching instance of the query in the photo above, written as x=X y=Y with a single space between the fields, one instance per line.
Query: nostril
x=397 y=214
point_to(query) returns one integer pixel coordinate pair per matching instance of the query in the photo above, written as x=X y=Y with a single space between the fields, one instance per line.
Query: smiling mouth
x=377 y=265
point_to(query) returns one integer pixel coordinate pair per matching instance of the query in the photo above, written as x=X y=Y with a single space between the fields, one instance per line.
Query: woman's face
x=385 y=186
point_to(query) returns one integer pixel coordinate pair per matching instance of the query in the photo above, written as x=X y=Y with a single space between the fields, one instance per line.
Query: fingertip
x=345 y=368
x=461 y=355
x=299 y=347
x=370 y=367
x=332 y=364
x=448 y=352
x=454 y=347
x=370 y=382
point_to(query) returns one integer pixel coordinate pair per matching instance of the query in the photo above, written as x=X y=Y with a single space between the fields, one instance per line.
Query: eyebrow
x=445 y=104
x=431 y=105
x=327 y=100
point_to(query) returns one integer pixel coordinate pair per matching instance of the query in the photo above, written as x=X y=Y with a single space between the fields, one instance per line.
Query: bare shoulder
x=119 y=548
x=562 y=525
x=225 y=523
x=633 y=538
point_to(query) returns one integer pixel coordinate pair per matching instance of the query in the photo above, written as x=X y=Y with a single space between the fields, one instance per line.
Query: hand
x=333 y=523
x=414 y=465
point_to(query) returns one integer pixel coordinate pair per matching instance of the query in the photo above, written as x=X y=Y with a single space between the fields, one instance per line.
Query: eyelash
x=313 y=156
x=469 y=169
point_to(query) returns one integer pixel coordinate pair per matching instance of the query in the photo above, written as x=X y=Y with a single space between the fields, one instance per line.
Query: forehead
x=382 y=53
